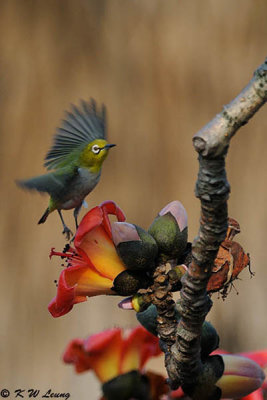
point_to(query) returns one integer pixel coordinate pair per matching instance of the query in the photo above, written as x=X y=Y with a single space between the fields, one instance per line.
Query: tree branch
x=213 y=138
x=212 y=188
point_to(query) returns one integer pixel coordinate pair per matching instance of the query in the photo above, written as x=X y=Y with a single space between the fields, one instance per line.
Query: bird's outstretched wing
x=81 y=126
x=54 y=183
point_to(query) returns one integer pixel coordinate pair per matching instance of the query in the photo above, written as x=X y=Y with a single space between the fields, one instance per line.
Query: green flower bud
x=136 y=247
x=148 y=319
x=209 y=339
x=169 y=229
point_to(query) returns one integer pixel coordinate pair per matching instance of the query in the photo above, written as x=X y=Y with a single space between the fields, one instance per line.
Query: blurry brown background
x=163 y=68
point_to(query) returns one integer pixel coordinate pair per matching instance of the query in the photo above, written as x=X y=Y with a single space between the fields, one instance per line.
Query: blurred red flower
x=112 y=352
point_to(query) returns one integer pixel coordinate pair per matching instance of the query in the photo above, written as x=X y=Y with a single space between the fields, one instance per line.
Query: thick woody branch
x=212 y=189
x=214 y=137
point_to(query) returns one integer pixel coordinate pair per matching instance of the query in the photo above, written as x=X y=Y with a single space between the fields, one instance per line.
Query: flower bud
x=209 y=339
x=241 y=376
x=138 y=302
x=123 y=232
x=126 y=303
x=169 y=229
x=148 y=319
x=136 y=247
x=128 y=283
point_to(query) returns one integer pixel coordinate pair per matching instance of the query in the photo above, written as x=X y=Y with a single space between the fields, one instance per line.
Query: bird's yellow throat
x=92 y=161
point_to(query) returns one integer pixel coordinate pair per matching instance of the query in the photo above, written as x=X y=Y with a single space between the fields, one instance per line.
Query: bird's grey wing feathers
x=81 y=126
x=53 y=183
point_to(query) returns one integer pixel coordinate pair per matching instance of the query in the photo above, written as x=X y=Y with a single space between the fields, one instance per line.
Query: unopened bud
x=126 y=304
x=241 y=376
x=148 y=319
x=169 y=229
x=209 y=339
x=123 y=232
x=138 y=302
x=178 y=211
x=136 y=247
x=128 y=283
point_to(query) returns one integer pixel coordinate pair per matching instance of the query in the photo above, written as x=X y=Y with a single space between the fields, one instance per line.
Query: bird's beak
x=108 y=146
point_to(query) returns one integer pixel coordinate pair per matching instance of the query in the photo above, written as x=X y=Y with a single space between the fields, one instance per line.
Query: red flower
x=257 y=395
x=110 y=353
x=93 y=263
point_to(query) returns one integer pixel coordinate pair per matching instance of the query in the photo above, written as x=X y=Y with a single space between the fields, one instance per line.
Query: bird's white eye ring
x=95 y=149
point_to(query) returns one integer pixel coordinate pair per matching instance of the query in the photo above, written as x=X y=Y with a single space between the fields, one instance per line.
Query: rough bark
x=212 y=188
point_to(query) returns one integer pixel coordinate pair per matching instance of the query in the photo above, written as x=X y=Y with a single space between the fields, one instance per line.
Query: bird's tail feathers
x=44 y=216
x=33 y=184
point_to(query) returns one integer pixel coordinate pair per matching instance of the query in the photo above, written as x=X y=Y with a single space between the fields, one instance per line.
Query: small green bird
x=77 y=155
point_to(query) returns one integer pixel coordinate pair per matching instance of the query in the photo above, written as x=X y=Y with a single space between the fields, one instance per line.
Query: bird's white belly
x=81 y=186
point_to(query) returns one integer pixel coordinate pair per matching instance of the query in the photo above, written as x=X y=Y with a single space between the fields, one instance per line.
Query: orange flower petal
x=97 y=216
x=75 y=283
x=90 y=221
x=93 y=264
x=138 y=348
x=86 y=281
x=100 y=353
x=109 y=207
x=102 y=253
x=75 y=354
x=105 y=352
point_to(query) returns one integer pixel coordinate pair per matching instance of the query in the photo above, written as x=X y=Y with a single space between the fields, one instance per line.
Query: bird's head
x=94 y=154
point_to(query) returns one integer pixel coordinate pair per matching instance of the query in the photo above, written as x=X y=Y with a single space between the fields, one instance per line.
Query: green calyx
x=139 y=254
x=127 y=283
x=209 y=340
x=205 y=388
x=148 y=318
x=166 y=232
x=209 y=337
x=124 y=387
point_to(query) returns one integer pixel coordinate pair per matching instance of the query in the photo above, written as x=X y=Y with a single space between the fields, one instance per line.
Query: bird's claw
x=67 y=232
x=73 y=237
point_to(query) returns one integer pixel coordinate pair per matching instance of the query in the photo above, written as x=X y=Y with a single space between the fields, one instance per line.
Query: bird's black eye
x=95 y=149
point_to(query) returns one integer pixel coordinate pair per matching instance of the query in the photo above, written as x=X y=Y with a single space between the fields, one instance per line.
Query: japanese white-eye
x=76 y=156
